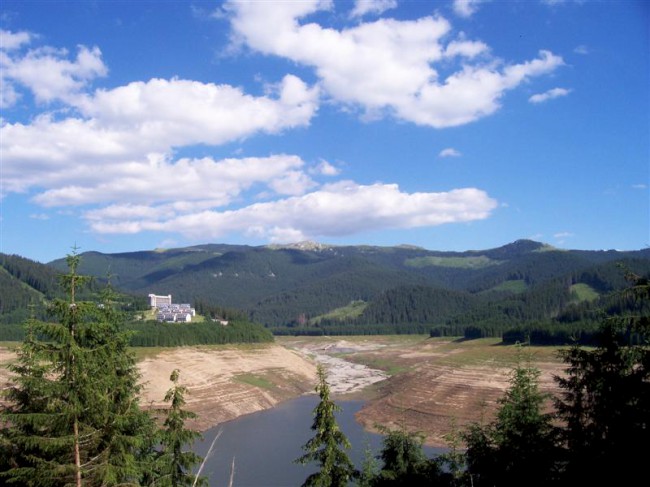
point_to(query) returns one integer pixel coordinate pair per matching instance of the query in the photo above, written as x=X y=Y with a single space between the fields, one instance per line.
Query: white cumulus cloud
x=466 y=8
x=326 y=169
x=211 y=114
x=129 y=125
x=388 y=66
x=160 y=180
x=111 y=153
x=338 y=209
x=549 y=95
x=376 y=7
x=49 y=74
x=13 y=40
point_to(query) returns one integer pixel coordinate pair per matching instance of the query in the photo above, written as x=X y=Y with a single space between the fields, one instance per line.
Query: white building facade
x=160 y=301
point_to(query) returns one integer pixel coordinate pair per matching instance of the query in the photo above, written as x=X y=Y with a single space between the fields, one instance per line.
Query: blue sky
x=453 y=125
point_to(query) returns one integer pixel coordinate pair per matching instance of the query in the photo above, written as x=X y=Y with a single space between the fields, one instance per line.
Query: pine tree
x=328 y=445
x=73 y=416
x=124 y=443
x=523 y=432
x=174 y=463
x=452 y=468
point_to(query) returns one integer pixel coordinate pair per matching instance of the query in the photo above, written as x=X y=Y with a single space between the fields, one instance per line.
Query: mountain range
x=312 y=283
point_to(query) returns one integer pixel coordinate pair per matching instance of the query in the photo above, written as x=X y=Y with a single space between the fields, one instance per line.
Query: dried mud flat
x=416 y=383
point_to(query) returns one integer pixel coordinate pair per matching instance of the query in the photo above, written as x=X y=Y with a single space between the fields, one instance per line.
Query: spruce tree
x=175 y=461
x=73 y=415
x=368 y=472
x=328 y=445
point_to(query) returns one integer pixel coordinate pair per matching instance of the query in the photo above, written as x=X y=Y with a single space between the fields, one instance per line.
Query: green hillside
x=25 y=287
x=468 y=262
x=28 y=287
x=510 y=286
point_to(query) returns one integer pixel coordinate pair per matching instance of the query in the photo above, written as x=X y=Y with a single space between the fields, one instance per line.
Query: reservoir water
x=264 y=444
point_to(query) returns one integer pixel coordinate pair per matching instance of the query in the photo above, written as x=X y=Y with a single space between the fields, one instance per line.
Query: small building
x=166 y=317
x=160 y=301
x=186 y=308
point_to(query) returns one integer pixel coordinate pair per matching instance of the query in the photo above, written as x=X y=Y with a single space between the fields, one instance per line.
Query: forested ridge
x=24 y=282
x=518 y=288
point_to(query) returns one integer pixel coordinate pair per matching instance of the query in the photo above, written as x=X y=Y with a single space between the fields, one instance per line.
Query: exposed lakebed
x=343 y=376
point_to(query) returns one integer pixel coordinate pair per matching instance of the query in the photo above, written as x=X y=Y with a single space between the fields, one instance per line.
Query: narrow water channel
x=264 y=444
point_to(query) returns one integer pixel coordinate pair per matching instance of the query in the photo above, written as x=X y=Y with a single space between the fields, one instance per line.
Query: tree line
x=154 y=334
x=238 y=330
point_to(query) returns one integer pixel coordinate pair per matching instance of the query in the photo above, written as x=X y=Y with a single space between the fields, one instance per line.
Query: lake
x=264 y=444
